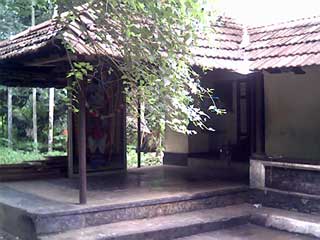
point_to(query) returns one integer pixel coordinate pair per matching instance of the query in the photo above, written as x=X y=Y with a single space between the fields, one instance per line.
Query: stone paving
x=247 y=232
x=119 y=188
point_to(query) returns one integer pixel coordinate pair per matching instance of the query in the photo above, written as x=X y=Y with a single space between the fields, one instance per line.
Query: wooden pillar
x=70 y=130
x=260 y=115
x=253 y=114
x=82 y=146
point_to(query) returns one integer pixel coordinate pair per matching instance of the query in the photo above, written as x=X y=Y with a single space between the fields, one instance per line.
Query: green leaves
x=80 y=70
x=149 y=44
x=15 y=15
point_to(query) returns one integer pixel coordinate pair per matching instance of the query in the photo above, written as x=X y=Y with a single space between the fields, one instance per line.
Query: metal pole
x=139 y=134
x=82 y=146
x=139 y=128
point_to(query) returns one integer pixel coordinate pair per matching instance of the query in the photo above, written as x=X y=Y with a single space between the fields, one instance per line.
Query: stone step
x=290 y=201
x=95 y=216
x=38 y=216
x=269 y=223
x=162 y=228
x=289 y=221
x=247 y=232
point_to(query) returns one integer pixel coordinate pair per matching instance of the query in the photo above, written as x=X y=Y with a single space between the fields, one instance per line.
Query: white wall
x=175 y=142
x=292 y=104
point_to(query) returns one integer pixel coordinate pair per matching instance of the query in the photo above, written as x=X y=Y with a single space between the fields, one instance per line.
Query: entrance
x=244 y=120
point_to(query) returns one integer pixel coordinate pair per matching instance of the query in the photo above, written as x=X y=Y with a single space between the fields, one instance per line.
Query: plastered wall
x=292 y=105
x=176 y=142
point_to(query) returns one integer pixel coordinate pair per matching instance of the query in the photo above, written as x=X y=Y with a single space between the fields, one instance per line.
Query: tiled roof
x=28 y=41
x=222 y=48
x=39 y=36
x=289 y=44
x=231 y=46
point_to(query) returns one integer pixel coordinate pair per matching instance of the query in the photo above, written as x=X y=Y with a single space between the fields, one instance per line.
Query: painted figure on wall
x=105 y=123
x=97 y=122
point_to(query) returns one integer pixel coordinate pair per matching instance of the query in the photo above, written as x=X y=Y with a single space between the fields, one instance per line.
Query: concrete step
x=289 y=221
x=268 y=223
x=94 y=216
x=162 y=228
x=247 y=232
x=38 y=216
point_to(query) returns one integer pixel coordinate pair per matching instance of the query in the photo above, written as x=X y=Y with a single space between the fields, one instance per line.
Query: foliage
x=22 y=113
x=150 y=46
x=10 y=156
x=147 y=159
x=15 y=15
x=150 y=43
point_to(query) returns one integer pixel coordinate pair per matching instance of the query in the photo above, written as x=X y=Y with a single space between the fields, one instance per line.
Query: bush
x=10 y=156
x=147 y=159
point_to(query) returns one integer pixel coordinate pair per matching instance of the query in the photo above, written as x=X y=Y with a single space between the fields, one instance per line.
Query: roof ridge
x=265 y=39
x=32 y=29
x=280 y=45
x=283 y=56
x=284 y=22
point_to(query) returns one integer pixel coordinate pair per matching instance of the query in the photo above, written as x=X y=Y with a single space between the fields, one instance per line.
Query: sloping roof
x=37 y=37
x=28 y=41
x=223 y=52
x=231 y=46
x=288 y=44
x=221 y=49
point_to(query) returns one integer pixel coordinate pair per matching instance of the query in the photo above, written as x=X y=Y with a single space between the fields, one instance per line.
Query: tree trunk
x=10 y=117
x=33 y=14
x=2 y=127
x=51 y=118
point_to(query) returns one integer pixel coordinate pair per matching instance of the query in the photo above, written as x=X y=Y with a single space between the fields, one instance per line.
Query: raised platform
x=35 y=208
x=285 y=185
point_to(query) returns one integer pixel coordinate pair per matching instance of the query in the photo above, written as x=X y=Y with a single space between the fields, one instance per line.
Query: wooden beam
x=82 y=145
x=298 y=70
x=46 y=61
x=274 y=70
x=31 y=77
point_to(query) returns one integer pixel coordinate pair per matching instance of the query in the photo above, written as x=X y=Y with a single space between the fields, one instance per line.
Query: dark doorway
x=242 y=150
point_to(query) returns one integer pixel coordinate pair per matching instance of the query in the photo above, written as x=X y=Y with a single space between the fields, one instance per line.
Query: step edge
x=288 y=221
x=242 y=219
x=152 y=202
